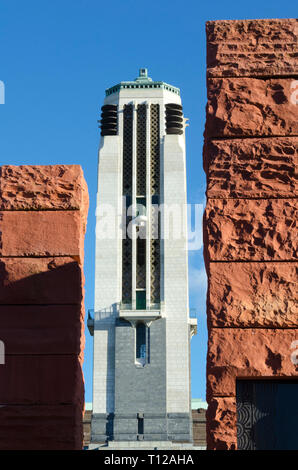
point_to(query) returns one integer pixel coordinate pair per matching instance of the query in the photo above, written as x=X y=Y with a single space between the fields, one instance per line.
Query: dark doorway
x=267 y=414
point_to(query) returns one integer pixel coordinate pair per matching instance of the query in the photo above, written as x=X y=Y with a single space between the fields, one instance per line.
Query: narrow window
x=141 y=341
x=141 y=299
x=140 y=425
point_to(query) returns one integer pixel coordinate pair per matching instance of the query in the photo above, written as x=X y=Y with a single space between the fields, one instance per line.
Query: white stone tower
x=141 y=324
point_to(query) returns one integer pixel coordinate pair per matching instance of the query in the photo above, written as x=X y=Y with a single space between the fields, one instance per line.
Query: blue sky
x=57 y=59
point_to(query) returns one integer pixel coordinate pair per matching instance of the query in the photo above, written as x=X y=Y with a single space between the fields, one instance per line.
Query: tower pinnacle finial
x=143 y=73
x=143 y=76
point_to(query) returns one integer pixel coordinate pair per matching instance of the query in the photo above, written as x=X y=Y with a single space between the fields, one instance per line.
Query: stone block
x=253 y=295
x=41 y=233
x=248 y=352
x=42 y=427
x=250 y=230
x=40 y=281
x=252 y=47
x=250 y=107
x=41 y=329
x=38 y=187
x=221 y=424
x=41 y=380
x=251 y=168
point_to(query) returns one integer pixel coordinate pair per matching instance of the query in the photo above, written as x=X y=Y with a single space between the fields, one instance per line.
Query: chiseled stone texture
x=35 y=427
x=253 y=295
x=40 y=281
x=247 y=352
x=221 y=424
x=250 y=230
x=250 y=241
x=28 y=187
x=252 y=47
x=250 y=107
x=41 y=233
x=252 y=168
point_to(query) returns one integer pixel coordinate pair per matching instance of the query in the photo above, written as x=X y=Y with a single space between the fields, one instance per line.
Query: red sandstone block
x=42 y=427
x=251 y=168
x=250 y=230
x=41 y=233
x=28 y=187
x=252 y=47
x=40 y=281
x=221 y=424
x=236 y=352
x=41 y=329
x=251 y=107
x=41 y=380
x=253 y=295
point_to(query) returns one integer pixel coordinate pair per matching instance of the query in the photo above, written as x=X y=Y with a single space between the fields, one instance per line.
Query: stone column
x=43 y=214
x=249 y=224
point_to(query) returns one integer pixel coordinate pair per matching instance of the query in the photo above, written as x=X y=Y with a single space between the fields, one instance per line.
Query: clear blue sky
x=57 y=59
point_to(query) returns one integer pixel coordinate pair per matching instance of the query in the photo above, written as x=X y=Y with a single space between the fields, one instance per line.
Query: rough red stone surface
x=250 y=241
x=252 y=47
x=221 y=424
x=41 y=329
x=35 y=427
x=247 y=352
x=41 y=380
x=40 y=281
x=252 y=168
x=41 y=233
x=253 y=295
x=251 y=230
x=59 y=187
x=251 y=107
x=42 y=225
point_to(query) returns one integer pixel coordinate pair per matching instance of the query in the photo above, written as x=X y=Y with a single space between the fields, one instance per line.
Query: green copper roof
x=142 y=81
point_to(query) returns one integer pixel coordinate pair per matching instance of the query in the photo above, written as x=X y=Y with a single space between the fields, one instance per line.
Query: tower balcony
x=123 y=311
x=193 y=321
x=135 y=315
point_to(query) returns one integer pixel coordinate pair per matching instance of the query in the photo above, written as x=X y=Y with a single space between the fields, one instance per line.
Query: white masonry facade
x=141 y=324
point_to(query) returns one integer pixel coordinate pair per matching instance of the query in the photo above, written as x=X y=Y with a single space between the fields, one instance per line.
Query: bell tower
x=141 y=324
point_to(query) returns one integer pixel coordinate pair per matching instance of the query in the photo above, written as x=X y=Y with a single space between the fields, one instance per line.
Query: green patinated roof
x=142 y=81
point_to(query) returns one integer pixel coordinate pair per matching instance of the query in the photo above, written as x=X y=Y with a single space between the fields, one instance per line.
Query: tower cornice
x=142 y=81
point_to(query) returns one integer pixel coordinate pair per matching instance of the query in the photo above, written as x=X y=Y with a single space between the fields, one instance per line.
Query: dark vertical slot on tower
x=141 y=263
x=141 y=150
x=127 y=192
x=141 y=173
x=155 y=191
x=140 y=425
x=141 y=341
x=148 y=345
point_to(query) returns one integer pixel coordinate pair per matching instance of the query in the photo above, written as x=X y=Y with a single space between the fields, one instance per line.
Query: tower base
x=143 y=445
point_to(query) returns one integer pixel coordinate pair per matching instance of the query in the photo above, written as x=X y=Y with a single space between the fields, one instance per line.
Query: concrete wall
x=249 y=235
x=43 y=212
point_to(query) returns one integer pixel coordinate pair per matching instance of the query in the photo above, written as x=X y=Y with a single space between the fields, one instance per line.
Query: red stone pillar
x=250 y=241
x=43 y=214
